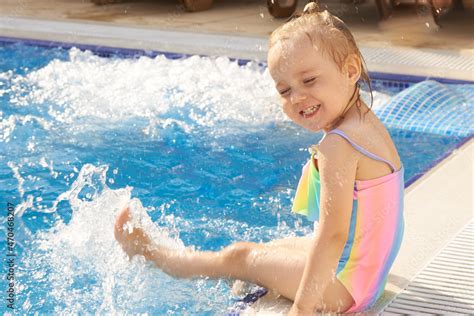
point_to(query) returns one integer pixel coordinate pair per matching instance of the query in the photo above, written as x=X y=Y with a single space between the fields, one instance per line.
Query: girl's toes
x=121 y=219
x=135 y=241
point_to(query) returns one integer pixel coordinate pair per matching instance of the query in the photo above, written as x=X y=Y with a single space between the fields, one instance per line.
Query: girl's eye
x=283 y=92
x=309 y=80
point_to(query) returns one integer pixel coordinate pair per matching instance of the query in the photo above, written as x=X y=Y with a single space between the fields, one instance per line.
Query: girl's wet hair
x=330 y=32
x=310 y=8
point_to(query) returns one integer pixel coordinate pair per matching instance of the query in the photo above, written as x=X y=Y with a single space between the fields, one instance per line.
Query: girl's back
x=371 y=135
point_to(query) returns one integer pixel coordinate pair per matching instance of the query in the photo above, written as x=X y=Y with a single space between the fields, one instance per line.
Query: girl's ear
x=353 y=68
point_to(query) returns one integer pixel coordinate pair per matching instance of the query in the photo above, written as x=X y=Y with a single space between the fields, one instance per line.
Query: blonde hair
x=333 y=35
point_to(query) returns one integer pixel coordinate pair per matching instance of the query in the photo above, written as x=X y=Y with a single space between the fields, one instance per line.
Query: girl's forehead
x=298 y=44
x=293 y=55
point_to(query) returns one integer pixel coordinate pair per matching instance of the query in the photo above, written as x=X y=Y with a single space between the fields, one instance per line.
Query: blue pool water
x=201 y=143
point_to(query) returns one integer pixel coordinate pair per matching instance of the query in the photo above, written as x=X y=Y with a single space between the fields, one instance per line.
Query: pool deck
x=437 y=205
x=406 y=43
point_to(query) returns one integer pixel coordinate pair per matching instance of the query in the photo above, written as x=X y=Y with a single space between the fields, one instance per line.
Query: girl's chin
x=308 y=125
x=312 y=128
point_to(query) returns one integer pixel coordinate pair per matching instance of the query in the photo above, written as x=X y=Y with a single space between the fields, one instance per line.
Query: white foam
x=197 y=93
x=89 y=86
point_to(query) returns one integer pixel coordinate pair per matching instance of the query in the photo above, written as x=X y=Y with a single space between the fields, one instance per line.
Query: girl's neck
x=355 y=105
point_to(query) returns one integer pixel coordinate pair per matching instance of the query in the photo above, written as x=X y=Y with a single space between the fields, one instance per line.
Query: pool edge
x=217 y=44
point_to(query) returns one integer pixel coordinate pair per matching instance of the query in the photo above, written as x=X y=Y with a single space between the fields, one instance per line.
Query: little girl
x=352 y=186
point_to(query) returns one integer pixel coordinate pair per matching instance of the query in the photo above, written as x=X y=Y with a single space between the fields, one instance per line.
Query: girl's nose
x=297 y=96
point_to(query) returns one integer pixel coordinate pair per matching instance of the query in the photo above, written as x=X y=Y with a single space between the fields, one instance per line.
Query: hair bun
x=311 y=7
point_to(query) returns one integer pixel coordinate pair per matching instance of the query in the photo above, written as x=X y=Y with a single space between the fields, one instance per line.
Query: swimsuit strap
x=362 y=150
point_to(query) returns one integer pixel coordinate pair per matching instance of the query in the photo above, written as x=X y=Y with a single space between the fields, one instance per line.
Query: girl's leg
x=302 y=244
x=276 y=268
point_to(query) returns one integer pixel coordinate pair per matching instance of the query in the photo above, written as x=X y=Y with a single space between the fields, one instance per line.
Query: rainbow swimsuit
x=376 y=228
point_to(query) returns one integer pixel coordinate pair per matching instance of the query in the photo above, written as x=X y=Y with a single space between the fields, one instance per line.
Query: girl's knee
x=237 y=254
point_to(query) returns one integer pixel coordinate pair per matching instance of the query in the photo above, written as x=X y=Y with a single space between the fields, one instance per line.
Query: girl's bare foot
x=134 y=240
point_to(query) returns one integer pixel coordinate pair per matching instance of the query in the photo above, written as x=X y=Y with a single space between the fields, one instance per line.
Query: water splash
x=16 y=174
x=87 y=88
x=80 y=265
x=8 y=125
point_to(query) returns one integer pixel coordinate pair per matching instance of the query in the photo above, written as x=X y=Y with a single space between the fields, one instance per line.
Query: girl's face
x=313 y=90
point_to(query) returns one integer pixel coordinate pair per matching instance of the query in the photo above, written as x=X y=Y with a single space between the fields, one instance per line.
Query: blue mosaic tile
x=432 y=107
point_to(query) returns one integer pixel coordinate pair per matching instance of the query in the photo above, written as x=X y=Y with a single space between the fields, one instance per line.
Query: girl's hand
x=295 y=311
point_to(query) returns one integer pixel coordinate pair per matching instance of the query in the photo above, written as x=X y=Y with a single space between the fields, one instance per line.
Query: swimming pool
x=200 y=142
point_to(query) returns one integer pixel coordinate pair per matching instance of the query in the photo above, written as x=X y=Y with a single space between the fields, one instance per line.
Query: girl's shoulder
x=370 y=136
x=369 y=133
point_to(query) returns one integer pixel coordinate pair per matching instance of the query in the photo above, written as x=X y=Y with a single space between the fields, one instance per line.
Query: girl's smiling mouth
x=310 y=111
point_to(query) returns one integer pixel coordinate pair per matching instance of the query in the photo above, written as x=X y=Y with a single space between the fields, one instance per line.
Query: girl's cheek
x=287 y=111
x=285 y=105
